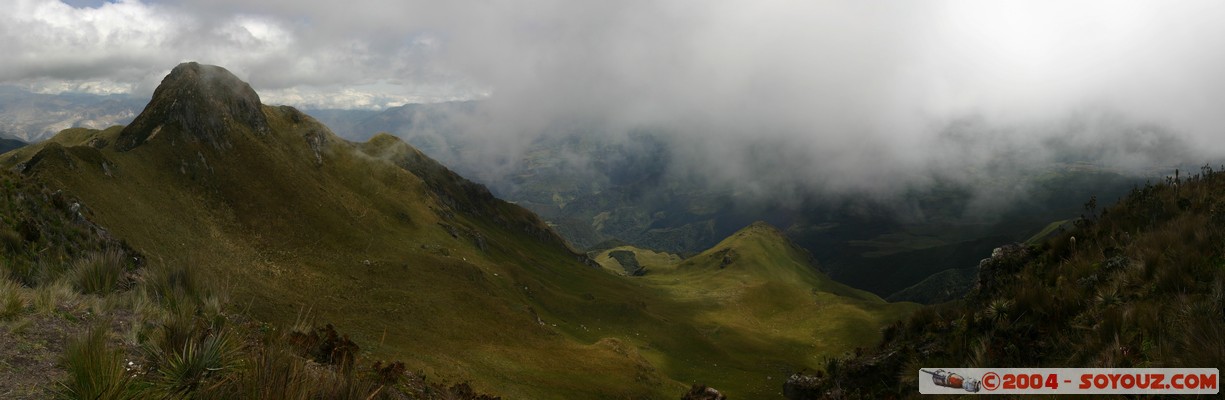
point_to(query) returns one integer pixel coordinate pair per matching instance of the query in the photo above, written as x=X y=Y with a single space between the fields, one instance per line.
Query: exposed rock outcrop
x=206 y=102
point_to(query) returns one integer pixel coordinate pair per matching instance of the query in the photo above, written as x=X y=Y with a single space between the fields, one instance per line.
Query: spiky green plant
x=998 y=310
x=183 y=371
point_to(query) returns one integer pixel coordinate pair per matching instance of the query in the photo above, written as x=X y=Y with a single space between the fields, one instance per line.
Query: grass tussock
x=96 y=370
x=101 y=273
x=178 y=287
x=12 y=305
x=48 y=298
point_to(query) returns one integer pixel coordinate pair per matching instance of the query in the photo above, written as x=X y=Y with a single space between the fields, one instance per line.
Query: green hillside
x=1138 y=284
x=757 y=290
x=418 y=264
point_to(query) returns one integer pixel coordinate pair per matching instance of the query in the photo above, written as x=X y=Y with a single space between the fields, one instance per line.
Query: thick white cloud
x=846 y=91
x=127 y=46
x=850 y=94
x=52 y=40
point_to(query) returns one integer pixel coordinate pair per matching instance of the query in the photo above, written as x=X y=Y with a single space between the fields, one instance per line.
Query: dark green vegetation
x=931 y=261
x=921 y=244
x=10 y=144
x=410 y=260
x=1138 y=284
x=942 y=286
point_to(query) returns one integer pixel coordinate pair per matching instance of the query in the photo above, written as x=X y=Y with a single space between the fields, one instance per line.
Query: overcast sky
x=839 y=81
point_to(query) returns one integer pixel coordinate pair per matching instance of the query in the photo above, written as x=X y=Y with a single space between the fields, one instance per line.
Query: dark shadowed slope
x=1140 y=283
x=10 y=144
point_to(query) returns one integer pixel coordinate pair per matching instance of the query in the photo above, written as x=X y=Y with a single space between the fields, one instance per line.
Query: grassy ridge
x=331 y=239
x=417 y=264
x=757 y=292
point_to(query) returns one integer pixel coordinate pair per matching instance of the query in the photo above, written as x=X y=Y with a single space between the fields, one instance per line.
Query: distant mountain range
x=33 y=117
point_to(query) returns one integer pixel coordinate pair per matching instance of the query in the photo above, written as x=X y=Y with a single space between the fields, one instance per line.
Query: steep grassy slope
x=297 y=221
x=82 y=316
x=48 y=248
x=1142 y=284
x=417 y=263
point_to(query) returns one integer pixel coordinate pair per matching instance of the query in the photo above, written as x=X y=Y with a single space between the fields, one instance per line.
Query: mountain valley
x=416 y=263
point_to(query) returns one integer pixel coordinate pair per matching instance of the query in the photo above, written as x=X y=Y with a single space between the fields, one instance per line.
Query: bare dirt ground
x=31 y=346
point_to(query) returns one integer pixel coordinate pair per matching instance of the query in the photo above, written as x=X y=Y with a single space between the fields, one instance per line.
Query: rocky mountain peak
x=206 y=102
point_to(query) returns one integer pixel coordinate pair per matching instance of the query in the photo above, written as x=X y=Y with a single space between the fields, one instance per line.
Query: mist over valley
x=543 y=199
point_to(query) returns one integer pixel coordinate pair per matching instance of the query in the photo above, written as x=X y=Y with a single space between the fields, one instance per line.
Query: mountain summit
x=203 y=101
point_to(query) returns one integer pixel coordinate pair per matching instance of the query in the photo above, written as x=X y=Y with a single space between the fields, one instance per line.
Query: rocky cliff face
x=206 y=102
